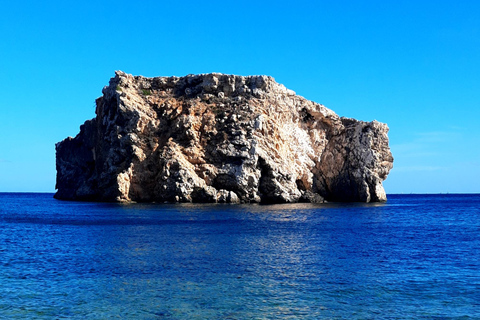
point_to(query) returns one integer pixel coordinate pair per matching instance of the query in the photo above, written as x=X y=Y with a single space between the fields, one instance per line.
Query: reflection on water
x=412 y=257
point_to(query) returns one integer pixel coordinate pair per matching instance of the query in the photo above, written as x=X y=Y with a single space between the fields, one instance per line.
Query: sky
x=414 y=65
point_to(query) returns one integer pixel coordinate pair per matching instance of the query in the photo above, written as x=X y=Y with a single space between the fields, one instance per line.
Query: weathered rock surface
x=219 y=138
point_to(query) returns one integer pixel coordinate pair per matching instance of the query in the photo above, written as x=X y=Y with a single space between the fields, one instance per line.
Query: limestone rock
x=219 y=138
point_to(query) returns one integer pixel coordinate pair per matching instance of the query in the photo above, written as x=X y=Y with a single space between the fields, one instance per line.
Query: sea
x=413 y=257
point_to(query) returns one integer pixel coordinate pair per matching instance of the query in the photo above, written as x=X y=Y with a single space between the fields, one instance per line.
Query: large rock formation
x=219 y=138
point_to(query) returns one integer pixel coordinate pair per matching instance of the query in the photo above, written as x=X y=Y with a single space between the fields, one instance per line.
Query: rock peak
x=219 y=138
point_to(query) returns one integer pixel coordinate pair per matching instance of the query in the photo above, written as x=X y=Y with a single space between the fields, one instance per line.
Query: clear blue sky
x=412 y=64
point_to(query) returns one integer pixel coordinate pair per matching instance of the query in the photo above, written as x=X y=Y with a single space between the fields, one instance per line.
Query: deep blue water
x=414 y=257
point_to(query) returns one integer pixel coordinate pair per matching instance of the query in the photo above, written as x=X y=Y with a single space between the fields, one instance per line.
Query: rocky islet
x=219 y=138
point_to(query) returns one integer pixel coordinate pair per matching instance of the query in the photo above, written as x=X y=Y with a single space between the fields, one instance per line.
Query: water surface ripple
x=414 y=257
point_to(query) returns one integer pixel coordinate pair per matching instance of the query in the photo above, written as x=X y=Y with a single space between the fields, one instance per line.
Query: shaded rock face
x=219 y=138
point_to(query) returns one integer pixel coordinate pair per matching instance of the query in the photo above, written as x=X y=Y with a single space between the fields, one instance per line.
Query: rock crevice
x=219 y=138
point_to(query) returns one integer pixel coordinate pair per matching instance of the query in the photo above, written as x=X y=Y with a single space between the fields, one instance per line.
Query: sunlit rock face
x=219 y=138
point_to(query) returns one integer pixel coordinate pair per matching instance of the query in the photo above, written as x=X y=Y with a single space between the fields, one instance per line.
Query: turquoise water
x=414 y=257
